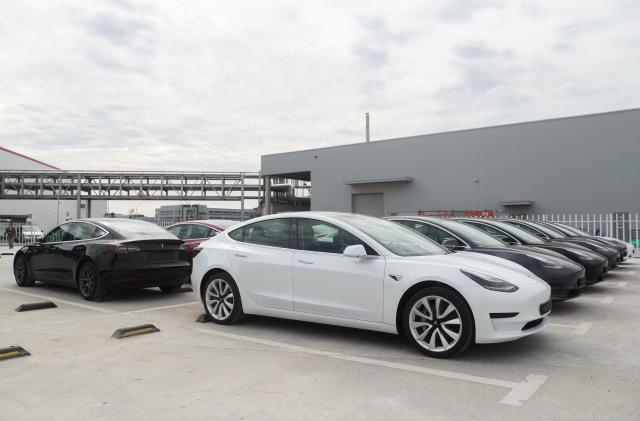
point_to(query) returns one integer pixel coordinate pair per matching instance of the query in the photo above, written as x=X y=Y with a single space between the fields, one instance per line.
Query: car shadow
x=383 y=345
x=123 y=295
x=569 y=307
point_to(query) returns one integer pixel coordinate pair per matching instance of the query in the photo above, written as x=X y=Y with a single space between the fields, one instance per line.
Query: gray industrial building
x=588 y=163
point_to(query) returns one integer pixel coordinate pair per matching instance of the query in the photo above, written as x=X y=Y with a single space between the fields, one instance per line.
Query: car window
x=237 y=234
x=58 y=234
x=195 y=231
x=437 y=234
x=272 y=232
x=177 y=230
x=314 y=235
x=84 y=231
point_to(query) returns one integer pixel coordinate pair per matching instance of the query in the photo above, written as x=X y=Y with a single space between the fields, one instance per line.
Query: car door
x=42 y=260
x=261 y=257
x=328 y=283
x=72 y=250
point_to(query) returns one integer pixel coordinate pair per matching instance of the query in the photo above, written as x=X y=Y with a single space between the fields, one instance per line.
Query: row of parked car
x=441 y=283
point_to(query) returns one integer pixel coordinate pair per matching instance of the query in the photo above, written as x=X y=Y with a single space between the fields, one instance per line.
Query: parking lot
x=585 y=365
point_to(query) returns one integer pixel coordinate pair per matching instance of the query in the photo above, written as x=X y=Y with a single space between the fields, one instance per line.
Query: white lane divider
x=58 y=300
x=605 y=300
x=519 y=391
x=620 y=284
x=622 y=273
x=579 y=329
x=144 y=310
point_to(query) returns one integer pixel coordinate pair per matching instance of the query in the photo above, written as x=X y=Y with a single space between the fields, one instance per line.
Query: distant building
x=231 y=214
x=44 y=213
x=582 y=164
x=170 y=214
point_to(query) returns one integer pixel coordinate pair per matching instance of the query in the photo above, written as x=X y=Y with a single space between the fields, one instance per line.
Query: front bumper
x=594 y=272
x=517 y=317
x=568 y=286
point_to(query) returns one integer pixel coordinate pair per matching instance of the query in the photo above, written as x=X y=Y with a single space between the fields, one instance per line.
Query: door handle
x=244 y=256
x=305 y=262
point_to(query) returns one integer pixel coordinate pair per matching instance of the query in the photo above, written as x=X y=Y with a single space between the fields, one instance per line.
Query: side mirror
x=509 y=240
x=356 y=250
x=450 y=243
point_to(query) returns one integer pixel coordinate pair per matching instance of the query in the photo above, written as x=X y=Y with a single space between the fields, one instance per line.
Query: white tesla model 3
x=364 y=272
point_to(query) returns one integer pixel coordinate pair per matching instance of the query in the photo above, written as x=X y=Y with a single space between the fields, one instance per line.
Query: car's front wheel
x=438 y=322
x=221 y=299
x=21 y=272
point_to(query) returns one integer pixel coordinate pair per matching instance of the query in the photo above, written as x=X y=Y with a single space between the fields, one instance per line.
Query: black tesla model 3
x=507 y=230
x=565 y=277
x=572 y=232
x=543 y=231
x=98 y=255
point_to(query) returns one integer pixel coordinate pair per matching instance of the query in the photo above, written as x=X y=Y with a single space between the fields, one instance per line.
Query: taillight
x=196 y=251
x=123 y=249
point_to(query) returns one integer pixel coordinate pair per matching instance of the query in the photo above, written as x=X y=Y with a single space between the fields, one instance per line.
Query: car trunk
x=152 y=251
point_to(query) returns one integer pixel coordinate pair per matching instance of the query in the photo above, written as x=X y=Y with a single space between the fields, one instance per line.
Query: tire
x=446 y=335
x=21 y=272
x=169 y=289
x=89 y=284
x=228 y=310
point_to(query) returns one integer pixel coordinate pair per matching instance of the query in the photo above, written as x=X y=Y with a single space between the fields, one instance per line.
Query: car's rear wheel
x=21 y=272
x=438 y=322
x=89 y=284
x=221 y=299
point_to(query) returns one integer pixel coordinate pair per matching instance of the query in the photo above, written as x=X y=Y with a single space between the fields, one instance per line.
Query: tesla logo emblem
x=161 y=245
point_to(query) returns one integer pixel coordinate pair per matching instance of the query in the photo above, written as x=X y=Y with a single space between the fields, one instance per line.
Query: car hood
x=482 y=263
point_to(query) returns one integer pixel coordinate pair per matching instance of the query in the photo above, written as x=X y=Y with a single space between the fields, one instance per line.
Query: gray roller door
x=367 y=204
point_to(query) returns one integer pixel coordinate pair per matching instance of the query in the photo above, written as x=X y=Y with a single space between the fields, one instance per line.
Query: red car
x=193 y=233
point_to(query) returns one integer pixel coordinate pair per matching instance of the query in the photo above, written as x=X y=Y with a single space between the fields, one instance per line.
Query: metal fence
x=24 y=232
x=624 y=226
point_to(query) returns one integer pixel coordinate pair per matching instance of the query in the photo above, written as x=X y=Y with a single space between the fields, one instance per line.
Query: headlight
x=546 y=262
x=490 y=282
x=582 y=255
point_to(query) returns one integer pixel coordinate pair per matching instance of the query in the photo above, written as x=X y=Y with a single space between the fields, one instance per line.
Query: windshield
x=573 y=230
x=519 y=233
x=131 y=228
x=471 y=235
x=395 y=238
x=548 y=231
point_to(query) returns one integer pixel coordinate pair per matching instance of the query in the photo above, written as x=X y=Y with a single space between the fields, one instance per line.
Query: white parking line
x=623 y=272
x=58 y=300
x=605 y=300
x=579 y=329
x=620 y=284
x=144 y=310
x=519 y=391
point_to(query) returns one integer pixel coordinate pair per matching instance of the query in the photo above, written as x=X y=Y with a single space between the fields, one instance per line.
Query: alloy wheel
x=87 y=281
x=20 y=270
x=435 y=323
x=219 y=299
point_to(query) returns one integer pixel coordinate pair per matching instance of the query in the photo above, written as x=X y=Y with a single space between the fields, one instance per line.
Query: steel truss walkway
x=114 y=185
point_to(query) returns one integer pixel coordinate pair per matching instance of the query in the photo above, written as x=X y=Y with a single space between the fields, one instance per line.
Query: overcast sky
x=212 y=85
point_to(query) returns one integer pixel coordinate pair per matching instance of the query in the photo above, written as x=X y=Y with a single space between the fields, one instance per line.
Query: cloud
x=159 y=86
